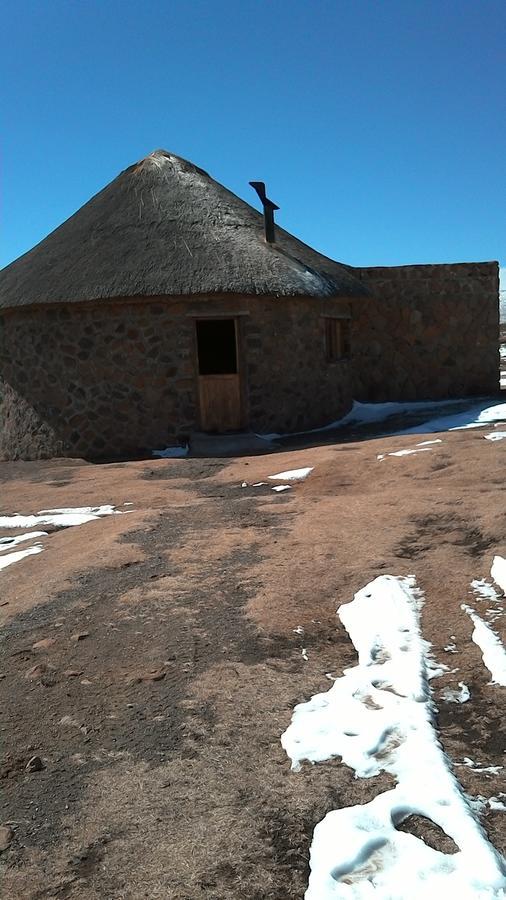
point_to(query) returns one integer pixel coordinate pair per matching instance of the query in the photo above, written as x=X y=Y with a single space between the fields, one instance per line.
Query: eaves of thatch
x=165 y=227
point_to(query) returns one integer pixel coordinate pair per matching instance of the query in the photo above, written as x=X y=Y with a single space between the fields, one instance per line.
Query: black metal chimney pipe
x=269 y=207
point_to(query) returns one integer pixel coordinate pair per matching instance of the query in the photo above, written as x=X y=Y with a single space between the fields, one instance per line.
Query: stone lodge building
x=167 y=305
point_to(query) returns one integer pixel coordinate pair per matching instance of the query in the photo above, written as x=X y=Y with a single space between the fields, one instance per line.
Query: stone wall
x=427 y=332
x=119 y=378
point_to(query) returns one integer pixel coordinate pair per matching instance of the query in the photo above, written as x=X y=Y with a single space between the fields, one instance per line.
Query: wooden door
x=219 y=377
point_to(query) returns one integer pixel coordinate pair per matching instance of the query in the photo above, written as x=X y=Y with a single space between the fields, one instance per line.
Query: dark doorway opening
x=217 y=349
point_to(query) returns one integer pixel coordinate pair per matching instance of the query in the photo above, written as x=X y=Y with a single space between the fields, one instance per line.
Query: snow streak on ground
x=7 y=559
x=292 y=474
x=172 y=452
x=496 y=435
x=379 y=717
x=460 y=696
x=488 y=770
x=420 y=448
x=484 y=590
x=492 y=649
x=472 y=415
x=498 y=572
x=63 y=518
x=479 y=803
x=7 y=543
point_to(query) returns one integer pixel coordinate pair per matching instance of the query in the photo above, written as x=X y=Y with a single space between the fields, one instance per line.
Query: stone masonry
x=427 y=332
x=119 y=378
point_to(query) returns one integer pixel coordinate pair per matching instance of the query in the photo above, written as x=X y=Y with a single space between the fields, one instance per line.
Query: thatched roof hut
x=167 y=305
x=161 y=308
x=165 y=227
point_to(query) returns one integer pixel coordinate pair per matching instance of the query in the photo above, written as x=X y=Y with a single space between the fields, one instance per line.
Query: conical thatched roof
x=165 y=227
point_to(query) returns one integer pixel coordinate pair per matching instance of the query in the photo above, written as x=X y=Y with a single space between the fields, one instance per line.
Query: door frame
x=236 y=319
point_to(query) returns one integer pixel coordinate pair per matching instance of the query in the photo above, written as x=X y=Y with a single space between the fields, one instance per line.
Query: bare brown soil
x=159 y=730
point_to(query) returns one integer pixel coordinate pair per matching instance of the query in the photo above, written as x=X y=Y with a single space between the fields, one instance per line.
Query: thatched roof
x=165 y=227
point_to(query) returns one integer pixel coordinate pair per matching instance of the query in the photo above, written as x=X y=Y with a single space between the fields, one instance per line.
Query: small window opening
x=216 y=345
x=337 y=339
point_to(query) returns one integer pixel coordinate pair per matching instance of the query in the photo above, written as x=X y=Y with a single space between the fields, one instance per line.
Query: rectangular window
x=337 y=339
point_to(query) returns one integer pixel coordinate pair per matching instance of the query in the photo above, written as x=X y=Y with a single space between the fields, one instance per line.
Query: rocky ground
x=152 y=660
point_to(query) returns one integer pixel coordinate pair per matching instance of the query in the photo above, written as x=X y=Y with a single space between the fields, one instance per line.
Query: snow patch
x=171 y=452
x=292 y=474
x=281 y=487
x=7 y=559
x=488 y=770
x=472 y=415
x=498 y=572
x=403 y=452
x=480 y=803
x=460 y=696
x=496 y=435
x=435 y=669
x=379 y=717
x=7 y=543
x=484 y=590
x=63 y=518
x=492 y=649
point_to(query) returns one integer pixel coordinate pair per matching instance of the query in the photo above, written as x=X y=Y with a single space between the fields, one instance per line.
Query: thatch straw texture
x=165 y=227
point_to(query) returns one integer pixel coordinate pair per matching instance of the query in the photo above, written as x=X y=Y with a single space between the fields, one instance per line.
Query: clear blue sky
x=378 y=125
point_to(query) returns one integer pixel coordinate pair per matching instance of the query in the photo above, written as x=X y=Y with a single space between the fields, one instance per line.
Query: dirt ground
x=159 y=728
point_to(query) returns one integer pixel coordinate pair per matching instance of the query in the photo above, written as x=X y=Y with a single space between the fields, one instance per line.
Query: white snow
x=304 y=654
x=498 y=572
x=171 y=452
x=379 y=717
x=435 y=670
x=479 y=803
x=403 y=452
x=292 y=474
x=484 y=590
x=7 y=559
x=492 y=649
x=472 y=415
x=424 y=443
x=281 y=487
x=461 y=696
x=496 y=435
x=64 y=518
x=488 y=770
x=7 y=543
